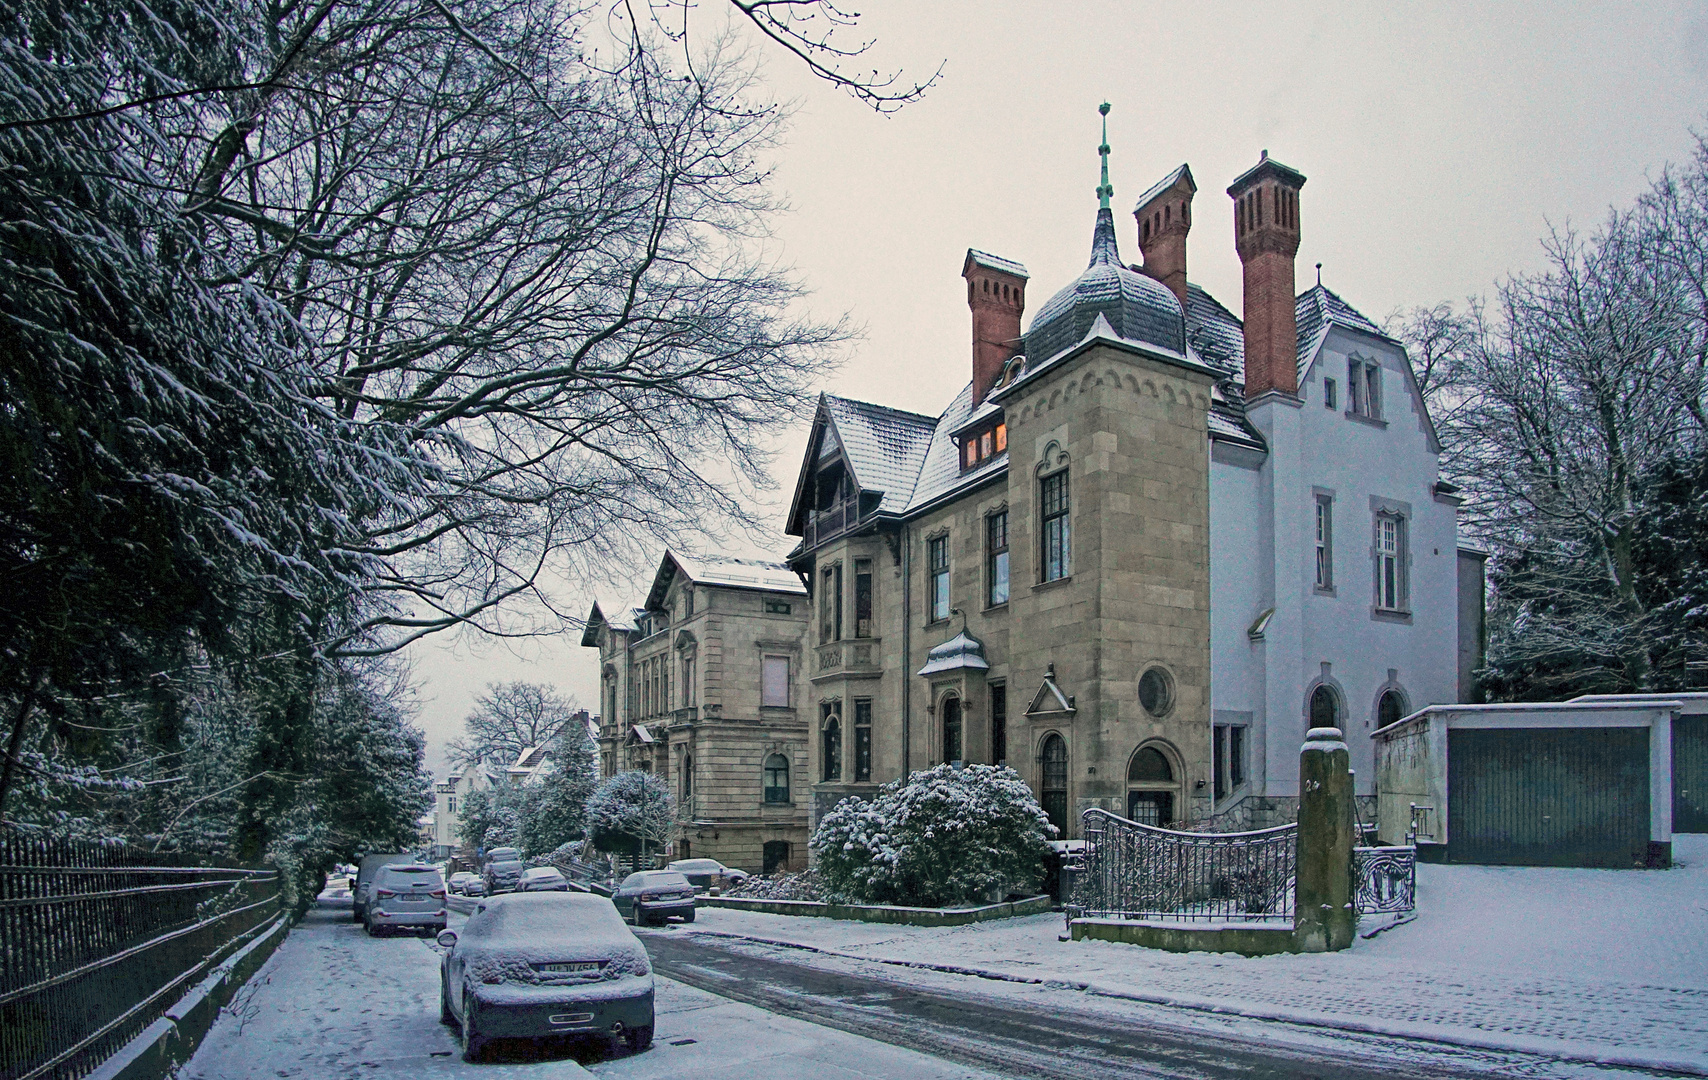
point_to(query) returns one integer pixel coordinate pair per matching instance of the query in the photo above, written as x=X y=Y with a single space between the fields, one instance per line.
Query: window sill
x=1319 y=590
x=994 y=608
x=1391 y=615
x=1373 y=421
x=937 y=622
x=1058 y=582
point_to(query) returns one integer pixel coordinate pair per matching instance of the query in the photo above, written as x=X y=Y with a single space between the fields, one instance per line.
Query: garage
x=1549 y=796
x=1577 y=783
x=1689 y=755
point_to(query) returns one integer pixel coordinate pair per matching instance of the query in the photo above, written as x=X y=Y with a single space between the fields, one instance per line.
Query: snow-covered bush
x=631 y=811
x=780 y=886
x=941 y=836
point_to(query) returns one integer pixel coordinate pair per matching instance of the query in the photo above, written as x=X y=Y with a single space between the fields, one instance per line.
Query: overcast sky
x=1440 y=142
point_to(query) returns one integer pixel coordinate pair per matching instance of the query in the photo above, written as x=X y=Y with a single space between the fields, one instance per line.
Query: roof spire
x=1105 y=190
x=1319 y=275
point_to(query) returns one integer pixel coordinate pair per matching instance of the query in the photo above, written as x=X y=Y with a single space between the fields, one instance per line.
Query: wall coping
x=883 y=913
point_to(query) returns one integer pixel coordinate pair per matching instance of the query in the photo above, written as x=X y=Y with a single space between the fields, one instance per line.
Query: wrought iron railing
x=1384 y=879
x=97 y=941
x=1136 y=871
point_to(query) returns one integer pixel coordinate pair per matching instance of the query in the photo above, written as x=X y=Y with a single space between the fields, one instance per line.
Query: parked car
x=365 y=871
x=501 y=870
x=655 y=895
x=466 y=883
x=411 y=895
x=533 y=965
x=542 y=879
x=706 y=874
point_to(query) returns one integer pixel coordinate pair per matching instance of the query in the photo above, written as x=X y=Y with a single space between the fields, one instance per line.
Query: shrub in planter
x=940 y=837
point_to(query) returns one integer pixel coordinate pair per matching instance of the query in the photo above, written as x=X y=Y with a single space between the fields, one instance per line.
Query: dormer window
x=977 y=447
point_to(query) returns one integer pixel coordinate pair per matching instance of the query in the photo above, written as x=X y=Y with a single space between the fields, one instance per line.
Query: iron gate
x=1137 y=871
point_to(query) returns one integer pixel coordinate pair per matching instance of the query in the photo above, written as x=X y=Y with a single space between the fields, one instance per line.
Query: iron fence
x=97 y=941
x=1384 y=879
x=1136 y=871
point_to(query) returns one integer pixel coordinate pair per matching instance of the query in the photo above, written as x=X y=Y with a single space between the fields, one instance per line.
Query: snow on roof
x=885 y=447
x=1319 y=307
x=725 y=570
x=642 y=734
x=1164 y=184
x=961 y=652
x=994 y=262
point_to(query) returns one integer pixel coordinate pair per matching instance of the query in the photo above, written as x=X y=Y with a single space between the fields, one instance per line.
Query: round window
x=1156 y=691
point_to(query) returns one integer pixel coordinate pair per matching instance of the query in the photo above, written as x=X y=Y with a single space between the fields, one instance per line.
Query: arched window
x=1391 y=709
x=1151 y=787
x=831 y=745
x=952 y=729
x=1055 y=762
x=1325 y=707
x=776 y=779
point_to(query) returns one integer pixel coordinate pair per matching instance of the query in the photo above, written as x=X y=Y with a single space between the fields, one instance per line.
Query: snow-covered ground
x=1585 y=965
x=333 y=1003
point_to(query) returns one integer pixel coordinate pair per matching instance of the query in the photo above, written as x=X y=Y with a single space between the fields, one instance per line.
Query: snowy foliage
x=631 y=810
x=941 y=836
x=803 y=885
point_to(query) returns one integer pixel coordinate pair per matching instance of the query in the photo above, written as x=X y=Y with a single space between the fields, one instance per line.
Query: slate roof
x=1215 y=333
x=884 y=446
x=940 y=467
x=616 y=616
x=1319 y=307
x=1139 y=308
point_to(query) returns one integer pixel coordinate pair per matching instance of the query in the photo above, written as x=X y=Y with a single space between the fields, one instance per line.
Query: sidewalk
x=1603 y=966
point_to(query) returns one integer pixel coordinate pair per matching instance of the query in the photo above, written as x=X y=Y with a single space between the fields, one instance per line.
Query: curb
x=1414 y=1032
x=172 y=1040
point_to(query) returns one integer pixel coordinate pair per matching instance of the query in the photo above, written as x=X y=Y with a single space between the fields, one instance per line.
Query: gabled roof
x=1177 y=176
x=940 y=467
x=1318 y=308
x=722 y=570
x=1049 y=698
x=621 y=618
x=883 y=447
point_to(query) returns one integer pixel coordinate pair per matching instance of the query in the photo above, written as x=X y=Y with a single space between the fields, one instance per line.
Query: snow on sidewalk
x=1587 y=965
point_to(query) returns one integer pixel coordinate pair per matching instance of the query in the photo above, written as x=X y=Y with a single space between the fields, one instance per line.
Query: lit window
x=937 y=552
x=980 y=446
x=1056 y=539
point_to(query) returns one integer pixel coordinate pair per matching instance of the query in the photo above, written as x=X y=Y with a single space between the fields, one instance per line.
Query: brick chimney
x=1266 y=235
x=996 y=292
x=1164 y=215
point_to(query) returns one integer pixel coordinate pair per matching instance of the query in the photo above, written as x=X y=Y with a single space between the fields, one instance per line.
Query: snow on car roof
x=546 y=918
x=695 y=865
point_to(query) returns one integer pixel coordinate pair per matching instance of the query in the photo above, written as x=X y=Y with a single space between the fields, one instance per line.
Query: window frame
x=952 y=705
x=830 y=599
x=830 y=741
x=766 y=789
x=997 y=561
x=1055 y=521
x=999 y=723
x=1322 y=528
x=937 y=577
x=1390 y=562
x=865 y=598
x=788 y=688
x=980 y=446
x=1364 y=388
x=862 y=740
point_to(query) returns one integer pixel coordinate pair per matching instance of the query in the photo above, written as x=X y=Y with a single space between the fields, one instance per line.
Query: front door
x=1151 y=807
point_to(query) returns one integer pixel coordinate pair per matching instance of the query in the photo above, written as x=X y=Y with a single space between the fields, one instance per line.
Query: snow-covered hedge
x=943 y=836
x=780 y=886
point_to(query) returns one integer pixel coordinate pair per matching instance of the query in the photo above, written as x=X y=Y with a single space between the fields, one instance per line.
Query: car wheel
x=639 y=1038
x=445 y=1014
x=474 y=1043
x=689 y=917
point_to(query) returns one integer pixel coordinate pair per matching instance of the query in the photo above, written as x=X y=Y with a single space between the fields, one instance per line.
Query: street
x=334 y=1002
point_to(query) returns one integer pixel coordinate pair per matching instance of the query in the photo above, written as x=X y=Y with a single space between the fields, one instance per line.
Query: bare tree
x=512 y=717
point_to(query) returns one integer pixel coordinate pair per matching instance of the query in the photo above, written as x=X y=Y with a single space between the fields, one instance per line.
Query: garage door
x=1690 y=774
x=1549 y=796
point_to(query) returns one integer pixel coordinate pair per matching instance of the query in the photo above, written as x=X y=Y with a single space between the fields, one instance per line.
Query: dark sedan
x=537 y=965
x=655 y=895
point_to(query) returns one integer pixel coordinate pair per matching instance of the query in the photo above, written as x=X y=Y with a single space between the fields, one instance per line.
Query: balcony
x=828 y=524
x=857 y=656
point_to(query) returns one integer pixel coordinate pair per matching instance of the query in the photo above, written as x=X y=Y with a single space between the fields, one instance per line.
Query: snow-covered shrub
x=780 y=886
x=631 y=811
x=941 y=836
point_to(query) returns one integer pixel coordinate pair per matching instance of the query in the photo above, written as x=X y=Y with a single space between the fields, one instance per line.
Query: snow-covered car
x=501 y=870
x=408 y=896
x=466 y=883
x=655 y=895
x=542 y=879
x=706 y=874
x=535 y=965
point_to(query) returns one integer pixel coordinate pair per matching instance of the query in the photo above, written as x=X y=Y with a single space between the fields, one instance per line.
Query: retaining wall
x=883 y=913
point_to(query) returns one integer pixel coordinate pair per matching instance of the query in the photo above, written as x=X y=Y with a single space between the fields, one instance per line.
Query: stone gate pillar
x=1323 y=916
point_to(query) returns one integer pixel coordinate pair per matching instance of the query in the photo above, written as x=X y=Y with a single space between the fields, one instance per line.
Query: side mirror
x=447 y=938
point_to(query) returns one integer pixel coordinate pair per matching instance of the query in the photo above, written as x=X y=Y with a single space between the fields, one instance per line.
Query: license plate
x=578 y=967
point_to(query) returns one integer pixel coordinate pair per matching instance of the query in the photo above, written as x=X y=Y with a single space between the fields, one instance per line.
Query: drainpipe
x=906 y=651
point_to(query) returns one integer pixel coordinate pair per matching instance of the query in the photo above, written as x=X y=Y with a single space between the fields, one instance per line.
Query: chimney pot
x=1164 y=216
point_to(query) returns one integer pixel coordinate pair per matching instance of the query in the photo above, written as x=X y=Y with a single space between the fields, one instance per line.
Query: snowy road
x=335 y=1004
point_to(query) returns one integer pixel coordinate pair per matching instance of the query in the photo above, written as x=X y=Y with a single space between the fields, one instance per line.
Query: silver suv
x=503 y=870
x=408 y=896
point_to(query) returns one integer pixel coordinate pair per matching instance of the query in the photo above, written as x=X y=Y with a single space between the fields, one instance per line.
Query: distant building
x=1146 y=547
x=449 y=795
x=697 y=684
